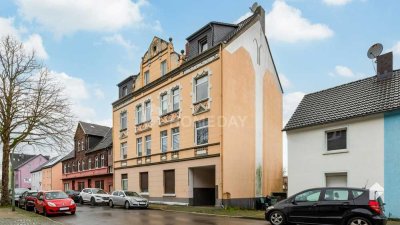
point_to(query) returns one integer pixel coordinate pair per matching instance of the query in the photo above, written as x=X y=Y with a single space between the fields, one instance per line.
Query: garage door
x=336 y=179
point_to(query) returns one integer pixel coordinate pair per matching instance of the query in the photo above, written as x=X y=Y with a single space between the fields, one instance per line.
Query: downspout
x=222 y=134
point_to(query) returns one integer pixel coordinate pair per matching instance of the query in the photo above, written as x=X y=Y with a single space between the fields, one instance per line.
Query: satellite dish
x=254 y=7
x=375 y=50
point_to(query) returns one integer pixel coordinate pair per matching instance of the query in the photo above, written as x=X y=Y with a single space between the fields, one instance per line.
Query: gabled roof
x=69 y=156
x=53 y=161
x=104 y=143
x=356 y=99
x=207 y=26
x=39 y=168
x=20 y=160
x=94 y=129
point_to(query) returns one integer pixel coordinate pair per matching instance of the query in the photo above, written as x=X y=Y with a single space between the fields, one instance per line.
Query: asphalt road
x=104 y=215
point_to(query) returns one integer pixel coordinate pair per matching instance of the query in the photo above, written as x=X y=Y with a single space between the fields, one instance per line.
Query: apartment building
x=203 y=126
x=90 y=163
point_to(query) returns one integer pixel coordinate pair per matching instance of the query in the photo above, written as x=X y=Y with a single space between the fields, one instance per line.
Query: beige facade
x=213 y=117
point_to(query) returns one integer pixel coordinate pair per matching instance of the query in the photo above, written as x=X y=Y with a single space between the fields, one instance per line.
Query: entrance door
x=203 y=184
x=73 y=185
x=89 y=183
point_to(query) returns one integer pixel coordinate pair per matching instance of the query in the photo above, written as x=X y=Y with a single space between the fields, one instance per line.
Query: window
x=65 y=168
x=164 y=104
x=124 y=150
x=201 y=88
x=90 y=163
x=169 y=181
x=79 y=146
x=82 y=145
x=175 y=138
x=175 y=99
x=83 y=164
x=73 y=167
x=357 y=193
x=148 y=144
x=336 y=195
x=146 y=77
x=139 y=146
x=96 y=162
x=163 y=140
x=336 y=140
x=123 y=121
x=79 y=166
x=124 y=181
x=139 y=114
x=99 y=184
x=336 y=179
x=81 y=185
x=147 y=109
x=203 y=45
x=144 y=182
x=163 y=67
x=201 y=132
x=102 y=160
x=69 y=168
x=308 y=196
x=124 y=91
x=66 y=186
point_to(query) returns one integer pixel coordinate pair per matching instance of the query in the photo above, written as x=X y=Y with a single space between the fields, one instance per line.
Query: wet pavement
x=104 y=215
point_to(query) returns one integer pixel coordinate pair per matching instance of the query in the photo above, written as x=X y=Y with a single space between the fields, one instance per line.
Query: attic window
x=203 y=45
x=154 y=49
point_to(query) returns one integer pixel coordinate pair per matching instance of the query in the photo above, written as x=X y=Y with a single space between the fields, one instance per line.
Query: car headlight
x=271 y=207
x=72 y=202
x=51 y=204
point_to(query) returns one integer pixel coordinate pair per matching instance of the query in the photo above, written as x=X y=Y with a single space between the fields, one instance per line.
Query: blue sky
x=91 y=45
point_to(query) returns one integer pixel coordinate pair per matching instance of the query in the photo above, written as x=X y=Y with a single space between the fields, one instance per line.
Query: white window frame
x=102 y=162
x=90 y=164
x=147 y=110
x=79 y=145
x=201 y=44
x=79 y=166
x=147 y=140
x=124 y=91
x=139 y=146
x=124 y=120
x=195 y=84
x=163 y=67
x=173 y=136
x=124 y=150
x=146 y=77
x=162 y=102
x=198 y=128
x=83 y=165
x=139 y=114
x=65 y=168
x=123 y=181
x=175 y=94
x=164 y=138
x=96 y=162
x=82 y=145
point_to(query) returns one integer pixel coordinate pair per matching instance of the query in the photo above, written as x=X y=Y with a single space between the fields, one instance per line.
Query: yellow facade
x=236 y=162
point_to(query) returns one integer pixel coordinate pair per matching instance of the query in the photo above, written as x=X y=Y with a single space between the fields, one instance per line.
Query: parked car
x=94 y=196
x=17 y=194
x=27 y=200
x=54 y=202
x=127 y=199
x=348 y=206
x=75 y=195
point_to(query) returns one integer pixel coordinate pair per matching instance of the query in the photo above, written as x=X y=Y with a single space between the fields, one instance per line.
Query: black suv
x=344 y=206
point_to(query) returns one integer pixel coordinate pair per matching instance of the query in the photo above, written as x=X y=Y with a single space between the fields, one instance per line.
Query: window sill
x=122 y=130
x=332 y=152
x=200 y=101
x=169 y=195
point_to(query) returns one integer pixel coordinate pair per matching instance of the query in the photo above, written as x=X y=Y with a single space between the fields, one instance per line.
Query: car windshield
x=98 y=191
x=32 y=193
x=132 y=194
x=20 y=191
x=55 y=195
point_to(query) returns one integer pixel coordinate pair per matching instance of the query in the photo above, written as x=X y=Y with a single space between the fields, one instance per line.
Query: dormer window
x=146 y=77
x=154 y=49
x=124 y=91
x=163 y=67
x=203 y=45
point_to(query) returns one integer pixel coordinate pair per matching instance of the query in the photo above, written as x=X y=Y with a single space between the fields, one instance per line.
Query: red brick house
x=90 y=163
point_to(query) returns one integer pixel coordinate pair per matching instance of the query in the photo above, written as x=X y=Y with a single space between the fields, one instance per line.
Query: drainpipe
x=222 y=135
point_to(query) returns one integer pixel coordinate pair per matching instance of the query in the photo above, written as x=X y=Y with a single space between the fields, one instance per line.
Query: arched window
x=69 y=168
x=102 y=161
x=83 y=164
x=90 y=164
x=65 y=168
x=79 y=166
x=96 y=162
x=73 y=167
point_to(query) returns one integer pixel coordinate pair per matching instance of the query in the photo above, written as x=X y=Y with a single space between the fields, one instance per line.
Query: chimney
x=385 y=66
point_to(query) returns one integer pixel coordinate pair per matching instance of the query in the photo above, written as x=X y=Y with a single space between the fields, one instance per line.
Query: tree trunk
x=5 y=197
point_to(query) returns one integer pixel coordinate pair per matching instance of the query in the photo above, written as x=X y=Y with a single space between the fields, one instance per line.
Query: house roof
x=39 y=168
x=104 y=143
x=69 y=156
x=20 y=160
x=53 y=161
x=94 y=129
x=207 y=26
x=356 y=99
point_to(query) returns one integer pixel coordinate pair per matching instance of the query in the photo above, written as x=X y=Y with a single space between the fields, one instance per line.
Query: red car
x=54 y=202
x=27 y=200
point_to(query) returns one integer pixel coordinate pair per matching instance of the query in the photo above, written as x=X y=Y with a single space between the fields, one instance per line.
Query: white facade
x=361 y=164
x=36 y=182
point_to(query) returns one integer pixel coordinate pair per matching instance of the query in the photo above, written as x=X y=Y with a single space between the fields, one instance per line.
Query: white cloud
x=69 y=16
x=99 y=93
x=75 y=88
x=118 y=39
x=32 y=42
x=245 y=16
x=285 y=23
x=290 y=103
x=396 y=48
x=336 y=2
x=286 y=83
x=343 y=71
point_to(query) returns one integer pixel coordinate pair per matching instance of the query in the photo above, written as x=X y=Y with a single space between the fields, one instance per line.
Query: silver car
x=127 y=199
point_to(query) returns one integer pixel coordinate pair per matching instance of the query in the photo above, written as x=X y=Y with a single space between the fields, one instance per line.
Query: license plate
x=142 y=203
x=64 y=208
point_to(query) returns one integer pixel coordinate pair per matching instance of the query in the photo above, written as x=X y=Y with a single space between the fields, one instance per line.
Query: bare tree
x=33 y=106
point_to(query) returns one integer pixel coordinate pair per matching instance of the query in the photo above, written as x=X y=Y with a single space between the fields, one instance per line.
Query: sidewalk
x=22 y=217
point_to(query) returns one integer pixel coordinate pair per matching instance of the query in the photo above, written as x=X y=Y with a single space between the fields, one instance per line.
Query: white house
x=37 y=178
x=348 y=136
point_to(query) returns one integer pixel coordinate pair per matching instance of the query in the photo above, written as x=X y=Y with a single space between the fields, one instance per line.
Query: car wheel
x=111 y=204
x=358 y=221
x=81 y=201
x=277 y=218
x=35 y=210
x=73 y=213
x=45 y=212
x=92 y=202
x=127 y=205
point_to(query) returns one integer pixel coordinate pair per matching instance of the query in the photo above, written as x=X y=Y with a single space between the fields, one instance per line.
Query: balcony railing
x=208 y=150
